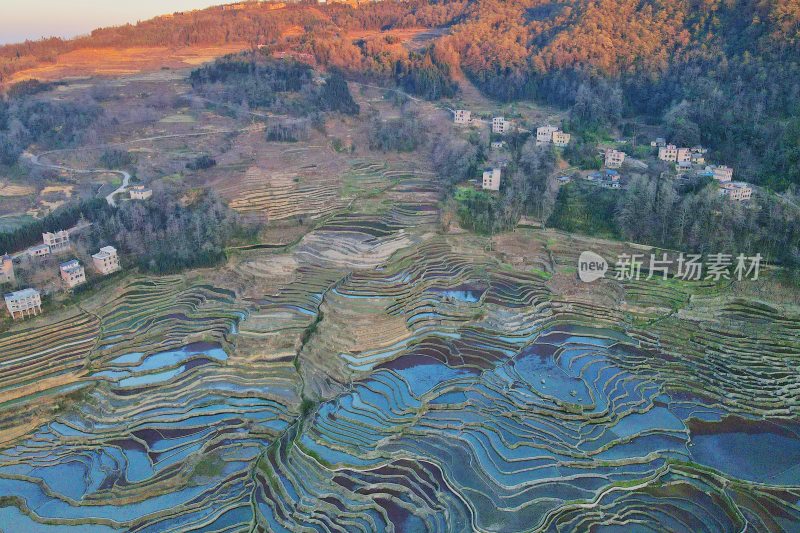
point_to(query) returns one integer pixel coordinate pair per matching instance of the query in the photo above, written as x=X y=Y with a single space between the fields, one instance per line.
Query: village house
x=462 y=117
x=72 y=273
x=606 y=178
x=24 y=303
x=106 y=261
x=500 y=125
x=7 y=269
x=614 y=158
x=140 y=192
x=737 y=191
x=57 y=241
x=698 y=155
x=683 y=168
x=563 y=180
x=659 y=142
x=551 y=134
x=672 y=154
x=40 y=250
x=491 y=179
x=722 y=173
x=498 y=145
x=544 y=134
x=561 y=139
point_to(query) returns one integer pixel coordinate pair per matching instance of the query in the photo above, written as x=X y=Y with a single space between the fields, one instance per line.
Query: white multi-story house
x=491 y=179
x=140 y=192
x=738 y=191
x=614 y=158
x=72 y=273
x=106 y=261
x=500 y=125
x=57 y=241
x=7 y=269
x=24 y=303
x=462 y=117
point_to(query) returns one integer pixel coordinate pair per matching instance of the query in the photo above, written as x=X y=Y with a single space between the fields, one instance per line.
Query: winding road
x=126 y=177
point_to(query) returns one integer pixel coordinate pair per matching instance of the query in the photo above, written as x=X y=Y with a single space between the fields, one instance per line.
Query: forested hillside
x=725 y=74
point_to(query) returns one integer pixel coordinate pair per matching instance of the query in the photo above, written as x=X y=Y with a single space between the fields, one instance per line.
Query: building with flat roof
x=500 y=125
x=140 y=192
x=614 y=158
x=737 y=191
x=39 y=250
x=58 y=241
x=106 y=261
x=491 y=179
x=24 y=303
x=722 y=173
x=544 y=134
x=561 y=139
x=462 y=117
x=7 y=269
x=72 y=273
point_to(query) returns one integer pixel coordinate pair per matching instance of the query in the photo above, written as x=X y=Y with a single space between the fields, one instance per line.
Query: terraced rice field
x=379 y=376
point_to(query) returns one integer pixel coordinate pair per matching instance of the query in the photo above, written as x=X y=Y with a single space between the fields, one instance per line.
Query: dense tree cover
x=256 y=81
x=527 y=186
x=290 y=131
x=116 y=158
x=26 y=119
x=174 y=230
x=201 y=162
x=284 y=86
x=62 y=218
x=335 y=95
x=404 y=134
x=652 y=211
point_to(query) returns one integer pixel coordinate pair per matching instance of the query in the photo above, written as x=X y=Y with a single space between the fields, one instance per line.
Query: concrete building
x=40 y=250
x=614 y=158
x=24 y=303
x=7 y=269
x=57 y=241
x=658 y=143
x=491 y=179
x=722 y=173
x=462 y=117
x=738 y=191
x=72 y=273
x=561 y=139
x=668 y=153
x=140 y=192
x=500 y=125
x=544 y=134
x=106 y=261
x=498 y=145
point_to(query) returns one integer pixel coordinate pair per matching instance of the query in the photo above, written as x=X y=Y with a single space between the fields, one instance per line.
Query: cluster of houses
x=545 y=135
x=693 y=159
x=28 y=302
